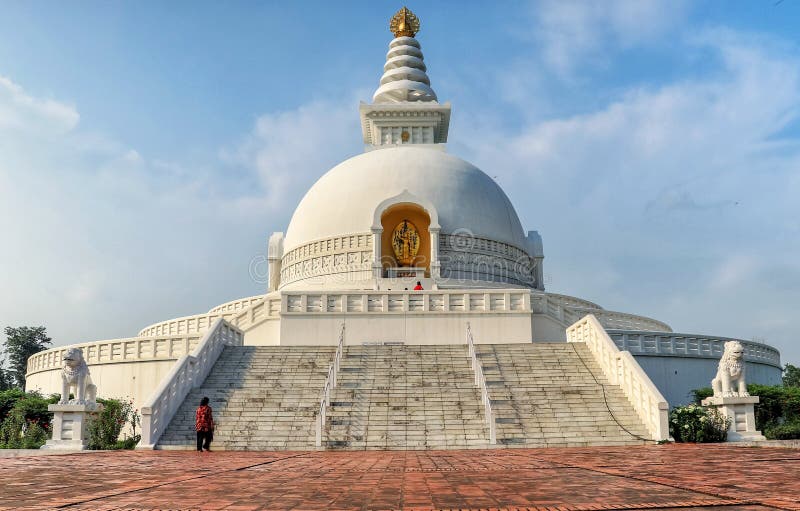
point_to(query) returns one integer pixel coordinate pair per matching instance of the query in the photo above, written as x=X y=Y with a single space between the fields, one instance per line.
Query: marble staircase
x=409 y=397
x=263 y=398
x=555 y=395
x=405 y=397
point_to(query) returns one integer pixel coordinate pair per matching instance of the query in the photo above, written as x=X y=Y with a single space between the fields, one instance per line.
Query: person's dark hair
x=419 y=283
x=204 y=401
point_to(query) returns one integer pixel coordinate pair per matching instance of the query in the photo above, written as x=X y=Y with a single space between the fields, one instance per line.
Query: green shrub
x=777 y=412
x=694 y=423
x=7 y=400
x=26 y=421
x=785 y=431
x=105 y=427
x=34 y=435
x=699 y=394
x=11 y=431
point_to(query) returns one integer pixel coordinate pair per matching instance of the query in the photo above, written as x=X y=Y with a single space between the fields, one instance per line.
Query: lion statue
x=76 y=374
x=729 y=381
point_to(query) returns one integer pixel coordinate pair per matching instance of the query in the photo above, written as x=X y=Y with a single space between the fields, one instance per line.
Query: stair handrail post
x=330 y=384
x=187 y=373
x=480 y=381
x=622 y=369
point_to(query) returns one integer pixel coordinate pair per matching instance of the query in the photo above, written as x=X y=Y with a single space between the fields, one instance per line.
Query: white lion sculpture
x=729 y=381
x=76 y=374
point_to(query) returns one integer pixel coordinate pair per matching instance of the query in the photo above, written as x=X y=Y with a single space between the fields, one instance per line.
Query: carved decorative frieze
x=335 y=255
x=467 y=257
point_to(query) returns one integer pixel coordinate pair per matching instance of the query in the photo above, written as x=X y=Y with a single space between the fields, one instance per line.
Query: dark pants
x=204 y=440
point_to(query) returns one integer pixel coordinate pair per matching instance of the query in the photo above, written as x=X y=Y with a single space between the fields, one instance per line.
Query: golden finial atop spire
x=404 y=23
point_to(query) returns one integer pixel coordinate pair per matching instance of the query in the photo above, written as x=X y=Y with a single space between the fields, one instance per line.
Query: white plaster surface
x=344 y=199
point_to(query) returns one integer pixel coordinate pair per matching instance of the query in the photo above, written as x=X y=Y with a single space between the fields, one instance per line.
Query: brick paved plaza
x=647 y=477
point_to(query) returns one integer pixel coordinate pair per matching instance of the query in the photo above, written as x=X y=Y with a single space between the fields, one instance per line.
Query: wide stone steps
x=555 y=394
x=405 y=397
x=409 y=397
x=264 y=398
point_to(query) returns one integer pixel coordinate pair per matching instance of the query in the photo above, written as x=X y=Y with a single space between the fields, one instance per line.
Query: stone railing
x=480 y=381
x=571 y=301
x=183 y=325
x=111 y=351
x=622 y=369
x=567 y=310
x=330 y=384
x=188 y=372
x=237 y=305
x=688 y=345
x=266 y=308
x=244 y=318
x=404 y=302
x=623 y=320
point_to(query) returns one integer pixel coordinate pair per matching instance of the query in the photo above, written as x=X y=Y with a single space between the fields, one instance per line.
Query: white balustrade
x=237 y=305
x=188 y=372
x=568 y=310
x=480 y=381
x=622 y=369
x=257 y=310
x=682 y=345
x=330 y=384
x=409 y=302
x=112 y=351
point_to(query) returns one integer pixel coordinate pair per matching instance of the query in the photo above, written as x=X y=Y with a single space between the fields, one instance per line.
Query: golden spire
x=404 y=23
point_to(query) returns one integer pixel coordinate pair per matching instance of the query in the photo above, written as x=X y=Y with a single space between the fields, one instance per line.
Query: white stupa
x=468 y=232
x=402 y=215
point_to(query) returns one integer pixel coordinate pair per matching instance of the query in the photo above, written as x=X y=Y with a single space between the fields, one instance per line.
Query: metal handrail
x=480 y=380
x=330 y=384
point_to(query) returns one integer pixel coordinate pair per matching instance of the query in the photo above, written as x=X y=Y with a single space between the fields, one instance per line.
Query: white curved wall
x=121 y=368
x=679 y=363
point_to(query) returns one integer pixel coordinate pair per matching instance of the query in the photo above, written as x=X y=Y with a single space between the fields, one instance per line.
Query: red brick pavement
x=577 y=479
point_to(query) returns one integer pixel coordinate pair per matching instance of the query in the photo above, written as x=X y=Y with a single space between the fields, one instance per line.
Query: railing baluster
x=330 y=384
x=480 y=381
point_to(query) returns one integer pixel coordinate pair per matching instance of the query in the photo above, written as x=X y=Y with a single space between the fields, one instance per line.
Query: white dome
x=343 y=201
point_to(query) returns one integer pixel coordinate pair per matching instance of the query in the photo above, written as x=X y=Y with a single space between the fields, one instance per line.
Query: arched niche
x=391 y=218
x=414 y=208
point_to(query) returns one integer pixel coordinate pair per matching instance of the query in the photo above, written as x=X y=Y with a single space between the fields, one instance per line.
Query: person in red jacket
x=204 y=424
x=418 y=287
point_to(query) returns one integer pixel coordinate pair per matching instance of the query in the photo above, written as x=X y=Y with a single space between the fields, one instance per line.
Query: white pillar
x=435 y=264
x=377 y=268
x=274 y=257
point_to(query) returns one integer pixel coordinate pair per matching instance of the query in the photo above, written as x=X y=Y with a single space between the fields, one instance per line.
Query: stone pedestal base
x=70 y=426
x=740 y=411
x=406 y=273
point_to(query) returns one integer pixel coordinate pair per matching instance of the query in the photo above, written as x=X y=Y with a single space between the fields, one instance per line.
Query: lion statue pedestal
x=70 y=426
x=730 y=395
x=742 y=416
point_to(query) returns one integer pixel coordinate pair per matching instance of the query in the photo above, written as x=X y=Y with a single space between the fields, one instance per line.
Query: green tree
x=791 y=376
x=6 y=382
x=21 y=343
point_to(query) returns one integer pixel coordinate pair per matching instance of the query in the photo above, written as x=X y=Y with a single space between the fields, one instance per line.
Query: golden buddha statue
x=405 y=243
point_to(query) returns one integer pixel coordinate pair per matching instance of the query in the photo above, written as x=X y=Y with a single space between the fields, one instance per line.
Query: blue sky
x=147 y=150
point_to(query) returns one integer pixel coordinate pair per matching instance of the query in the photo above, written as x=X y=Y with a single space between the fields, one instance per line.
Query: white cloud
x=22 y=111
x=577 y=32
x=291 y=149
x=734 y=272
x=683 y=189
x=99 y=240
